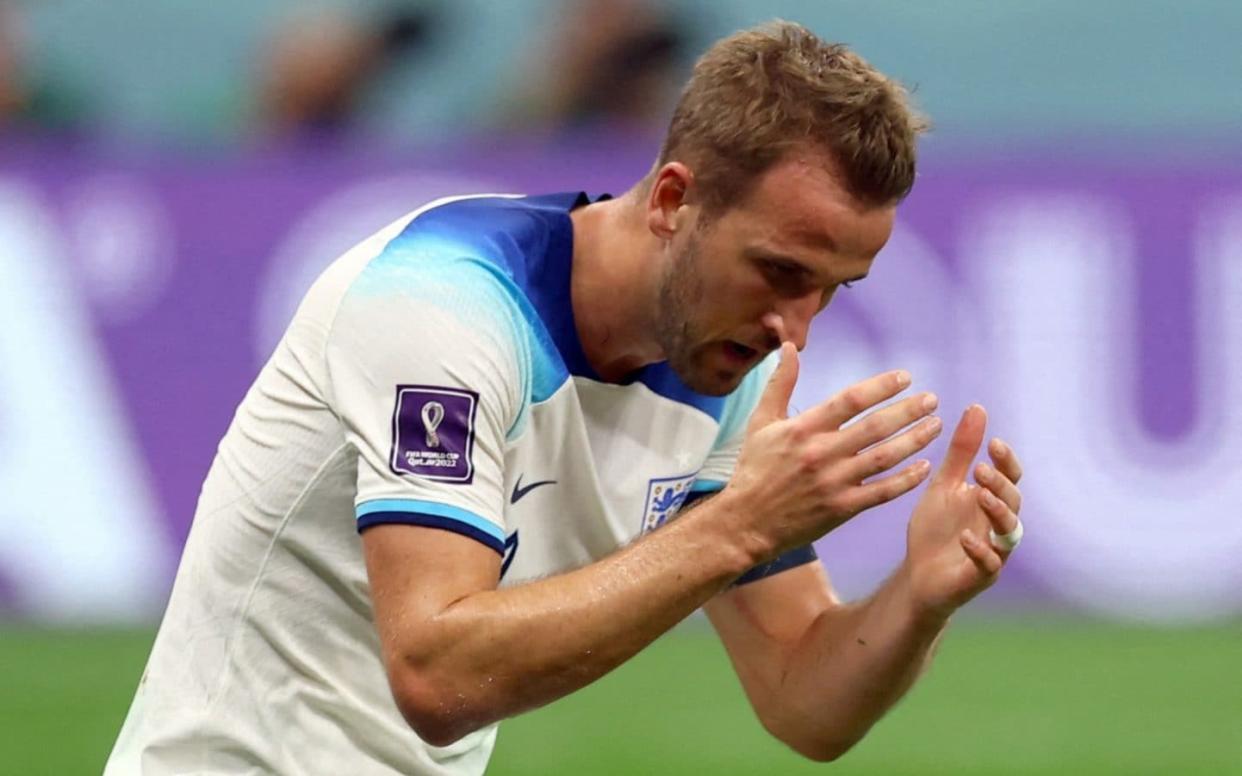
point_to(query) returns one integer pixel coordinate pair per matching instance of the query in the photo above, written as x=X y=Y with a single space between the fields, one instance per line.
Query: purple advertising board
x=1095 y=311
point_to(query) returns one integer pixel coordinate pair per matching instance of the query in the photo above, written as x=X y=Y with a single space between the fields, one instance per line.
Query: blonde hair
x=759 y=93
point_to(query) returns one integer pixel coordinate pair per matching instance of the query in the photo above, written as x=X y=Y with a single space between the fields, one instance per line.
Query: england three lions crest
x=665 y=495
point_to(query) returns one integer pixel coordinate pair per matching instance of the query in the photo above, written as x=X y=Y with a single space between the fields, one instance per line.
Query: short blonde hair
x=761 y=92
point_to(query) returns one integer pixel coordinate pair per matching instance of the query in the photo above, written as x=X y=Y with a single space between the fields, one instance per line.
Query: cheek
x=730 y=304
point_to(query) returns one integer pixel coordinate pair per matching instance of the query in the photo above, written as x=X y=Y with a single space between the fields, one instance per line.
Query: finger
x=859 y=397
x=1000 y=486
x=1003 y=519
x=981 y=553
x=886 y=421
x=889 y=453
x=773 y=404
x=888 y=488
x=1006 y=460
x=965 y=444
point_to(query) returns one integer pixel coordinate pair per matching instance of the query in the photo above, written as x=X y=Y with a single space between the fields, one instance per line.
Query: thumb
x=773 y=404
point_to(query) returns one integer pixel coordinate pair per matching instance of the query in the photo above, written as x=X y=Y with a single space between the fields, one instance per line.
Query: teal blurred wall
x=991 y=73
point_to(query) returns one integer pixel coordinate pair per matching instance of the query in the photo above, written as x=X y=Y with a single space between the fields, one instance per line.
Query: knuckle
x=799 y=432
x=890 y=489
x=868 y=427
x=883 y=458
x=849 y=506
x=828 y=484
x=808 y=460
x=835 y=503
x=854 y=400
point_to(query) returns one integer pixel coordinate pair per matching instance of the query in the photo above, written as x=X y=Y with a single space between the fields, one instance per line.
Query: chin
x=710 y=382
x=707 y=369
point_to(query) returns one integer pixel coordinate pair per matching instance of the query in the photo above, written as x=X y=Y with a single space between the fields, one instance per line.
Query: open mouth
x=740 y=351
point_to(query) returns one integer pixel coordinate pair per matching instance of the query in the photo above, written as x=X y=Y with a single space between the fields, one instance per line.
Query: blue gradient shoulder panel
x=526 y=245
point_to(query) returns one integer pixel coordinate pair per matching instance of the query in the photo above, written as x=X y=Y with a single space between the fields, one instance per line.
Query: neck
x=615 y=286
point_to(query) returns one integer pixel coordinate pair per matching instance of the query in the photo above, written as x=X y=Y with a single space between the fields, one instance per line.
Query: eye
x=847 y=283
x=782 y=268
x=785 y=277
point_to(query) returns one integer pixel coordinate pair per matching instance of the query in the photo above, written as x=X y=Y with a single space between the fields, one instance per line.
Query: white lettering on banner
x=441 y=460
x=1118 y=521
x=81 y=536
x=121 y=244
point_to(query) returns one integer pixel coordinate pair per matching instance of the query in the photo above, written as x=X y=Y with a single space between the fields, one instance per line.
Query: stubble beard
x=681 y=294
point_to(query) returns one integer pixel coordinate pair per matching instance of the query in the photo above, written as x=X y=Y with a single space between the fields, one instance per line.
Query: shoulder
x=512 y=233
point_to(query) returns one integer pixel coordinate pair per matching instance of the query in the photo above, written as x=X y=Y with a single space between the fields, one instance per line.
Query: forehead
x=799 y=205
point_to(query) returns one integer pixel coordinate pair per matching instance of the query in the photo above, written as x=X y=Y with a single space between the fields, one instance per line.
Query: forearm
x=850 y=666
x=495 y=653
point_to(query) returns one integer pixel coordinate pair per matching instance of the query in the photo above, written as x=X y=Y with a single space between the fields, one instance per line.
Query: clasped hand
x=805 y=475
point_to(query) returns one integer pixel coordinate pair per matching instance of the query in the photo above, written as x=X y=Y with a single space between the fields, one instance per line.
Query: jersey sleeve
x=425 y=368
x=718 y=467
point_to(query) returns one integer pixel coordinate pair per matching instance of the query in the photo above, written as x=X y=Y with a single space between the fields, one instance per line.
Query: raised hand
x=949 y=556
x=798 y=478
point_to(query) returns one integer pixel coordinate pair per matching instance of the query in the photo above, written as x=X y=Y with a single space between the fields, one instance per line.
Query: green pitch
x=1043 y=695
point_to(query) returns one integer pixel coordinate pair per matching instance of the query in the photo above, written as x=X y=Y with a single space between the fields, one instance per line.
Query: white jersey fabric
x=432 y=376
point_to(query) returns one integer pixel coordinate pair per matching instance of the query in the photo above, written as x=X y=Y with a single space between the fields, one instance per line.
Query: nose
x=791 y=320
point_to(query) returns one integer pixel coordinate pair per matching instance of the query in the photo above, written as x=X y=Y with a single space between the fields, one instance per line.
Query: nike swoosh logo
x=519 y=492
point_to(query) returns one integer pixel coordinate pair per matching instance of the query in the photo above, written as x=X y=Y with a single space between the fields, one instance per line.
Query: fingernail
x=985 y=472
x=934 y=425
x=930 y=402
x=989 y=499
x=1001 y=447
x=903 y=378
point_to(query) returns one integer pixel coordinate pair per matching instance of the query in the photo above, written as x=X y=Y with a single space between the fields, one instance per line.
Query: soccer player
x=514 y=397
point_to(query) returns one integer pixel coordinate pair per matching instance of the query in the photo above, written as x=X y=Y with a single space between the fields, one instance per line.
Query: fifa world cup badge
x=433 y=433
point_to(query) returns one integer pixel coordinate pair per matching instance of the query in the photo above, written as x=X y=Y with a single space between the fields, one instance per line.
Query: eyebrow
x=818 y=238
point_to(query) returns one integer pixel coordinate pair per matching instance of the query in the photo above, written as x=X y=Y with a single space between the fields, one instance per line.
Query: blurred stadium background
x=173 y=175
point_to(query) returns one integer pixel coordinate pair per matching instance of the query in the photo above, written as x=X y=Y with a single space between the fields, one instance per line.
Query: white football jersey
x=432 y=376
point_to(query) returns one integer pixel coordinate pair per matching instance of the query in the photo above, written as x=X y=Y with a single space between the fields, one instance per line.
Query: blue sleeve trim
x=430 y=521
x=431 y=514
x=707 y=486
x=792 y=559
x=695 y=497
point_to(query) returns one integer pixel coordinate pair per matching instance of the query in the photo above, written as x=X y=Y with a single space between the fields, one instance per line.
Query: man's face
x=758 y=272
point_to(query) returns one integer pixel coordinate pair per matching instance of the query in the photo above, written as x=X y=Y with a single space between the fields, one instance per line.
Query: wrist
x=923 y=615
x=725 y=519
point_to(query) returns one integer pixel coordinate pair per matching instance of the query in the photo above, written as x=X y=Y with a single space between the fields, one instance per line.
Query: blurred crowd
x=31 y=99
x=315 y=71
x=385 y=73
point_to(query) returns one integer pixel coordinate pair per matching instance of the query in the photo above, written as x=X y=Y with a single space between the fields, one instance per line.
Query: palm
x=945 y=577
x=949 y=557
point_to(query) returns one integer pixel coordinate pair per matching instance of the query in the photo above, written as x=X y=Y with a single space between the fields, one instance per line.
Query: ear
x=668 y=200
